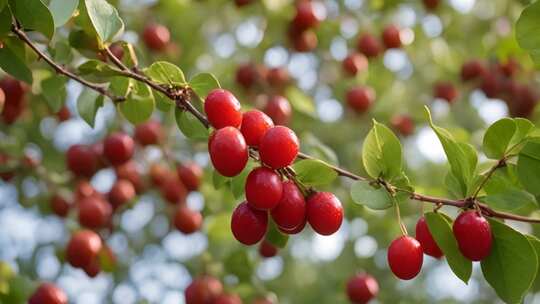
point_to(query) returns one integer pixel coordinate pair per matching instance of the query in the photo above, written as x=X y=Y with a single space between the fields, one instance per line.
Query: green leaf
x=276 y=237
x=5 y=21
x=300 y=101
x=87 y=105
x=498 y=137
x=203 y=83
x=139 y=105
x=54 y=91
x=97 y=68
x=312 y=172
x=61 y=53
x=166 y=73
x=14 y=65
x=2 y=4
x=523 y=128
x=121 y=86
x=528 y=166
x=62 y=10
x=511 y=265
x=33 y=15
x=528 y=27
x=374 y=198
x=190 y=126
x=440 y=227
x=381 y=153
x=103 y=17
x=163 y=103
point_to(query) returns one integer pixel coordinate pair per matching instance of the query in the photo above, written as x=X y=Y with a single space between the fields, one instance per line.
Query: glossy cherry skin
x=118 y=148
x=228 y=151
x=473 y=234
x=83 y=248
x=59 y=205
x=279 y=110
x=121 y=193
x=446 y=91
x=403 y=124
x=423 y=235
x=254 y=125
x=190 y=174
x=94 y=212
x=186 y=220
x=156 y=37
x=472 y=69
x=222 y=109
x=148 y=133
x=369 y=46
x=248 y=225
x=354 y=63
x=203 y=290
x=290 y=212
x=391 y=37
x=263 y=188
x=279 y=147
x=405 y=257
x=267 y=249
x=307 y=15
x=296 y=229
x=324 y=213
x=361 y=288
x=174 y=191
x=360 y=99
x=48 y=293
x=82 y=160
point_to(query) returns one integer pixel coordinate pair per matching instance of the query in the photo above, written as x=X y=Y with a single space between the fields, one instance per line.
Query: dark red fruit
x=307 y=15
x=263 y=188
x=278 y=77
x=509 y=67
x=118 y=148
x=92 y=269
x=423 y=235
x=296 y=229
x=174 y=191
x=324 y=213
x=186 y=220
x=431 y=4
x=361 y=288
x=241 y=3
x=472 y=69
x=369 y=45
x=48 y=293
x=522 y=102
x=279 y=147
x=6 y=175
x=63 y=114
x=228 y=151
x=446 y=91
x=267 y=249
x=222 y=109
x=148 y=133
x=254 y=125
x=248 y=225
x=85 y=189
x=83 y=248
x=203 y=290
x=94 y=212
x=354 y=63
x=403 y=123
x=405 y=257
x=15 y=102
x=391 y=37
x=228 y=298
x=121 y=193
x=290 y=212
x=279 y=110
x=129 y=172
x=491 y=85
x=190 y=174
x=156 y=37
x=247 y=75
x=303 y=41
x=59 y=205
x=473 y=234
x=159 y=174
x=82 y=160
x=360 y=98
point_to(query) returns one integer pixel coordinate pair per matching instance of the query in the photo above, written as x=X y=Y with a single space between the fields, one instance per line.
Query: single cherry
x=369 y=45
x=94 y=212
x=391 y=37
x=303 y=41
x=173 y=190
x=59 y=205
x=491 y=85
x=118 y=148
x=48 y=293
x=360 y=99
x=290 y=212
x=248 y=225
x=423 y=235
x=228 y=151
x=446 y=91
x=83 y=248
x=190 y=174
x=405 y=257
x=355 y=63
x=277 y=77
x=267 y=249
x=263 y=188
x=121 y=193
x=361 y=288
x=324 y=213
x=222 y=109
x=148 y=133
x=279 y=147
x=247 y=75
x=254 y=125
x=82 y=160
x=473 y=234
x=159 y=174
x=129 y=172
x=431 y=4
x=156 y=37
x=403 y=123
x=186 y=220
x=63 y=114
x=472 y=69
x=203 y=290
x=279 y=110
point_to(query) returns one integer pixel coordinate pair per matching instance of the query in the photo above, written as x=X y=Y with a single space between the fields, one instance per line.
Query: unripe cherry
x=423 y=235
x=174 y=191
x=83 y=248
x=254 y=125
x=277 y=77
x=128 y=171
x=369 y=45
x=149 y=133
x=186 y=220
x=360 y=99
x=263 y=188
x=391 y=37
x=267 y=249
x=354 y=63
x=405 y=257
x=290 y=212
x=248 y=225
x=308 y=14
x=203 y=290
x=59 y=205
x=472 y=69
x=361 y=288
x=228 y=151
x=324 y=213
x=403 y=124
x=118 y=148
x=278 y=108
x=94 y=212
x=156 y=37
x=82 y=160
x=121 y=193
x=446 y=91
x=279 y=147
x=190 y=174
x=48 y=293
x=473 y=234
x=222 y=109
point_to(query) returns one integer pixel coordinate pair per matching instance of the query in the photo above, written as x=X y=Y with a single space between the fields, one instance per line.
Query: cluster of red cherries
x=267 y=192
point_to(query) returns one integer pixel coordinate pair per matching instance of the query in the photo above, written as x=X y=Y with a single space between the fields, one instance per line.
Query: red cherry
x=92 y=269
x=296 y=229
x=279 y=110
x=82 y=160
x=263 y=188
x=121 y=193
x=472 y=69
x=59 y=205
x=15 y=102
x=222 y=109
x=85 y=189
x=48 y=293
x=369 y=45
x=473 y=234
x=290 y=212
x=278 y=77
x=118 y=148
x=190 y=174
x=240 y=3
x=491 y=85
x=522 y=102
x=83 y=248
x=63 y=114
x=247 y=75
x=128 y=171
x=156 y=37
x=423 y=235
x=361 y=288
x=508 y=68
x=355 y=63
x=446 y=91
x=174 y=191
x=279 y=147
x=159 y=174
x=267 y=249
x=248 y=225
x=360 y=98
x=403 y=123
x=228 y=151
x=324 y=213
x=94 y=212
x=390 y=37
x=186 y=220
x=405 y=257
x=254 y=125
x=148 y=133
x=203 y=290
x=303 y=41
x=431 y=4
x=307 y=15
x=228 y=298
